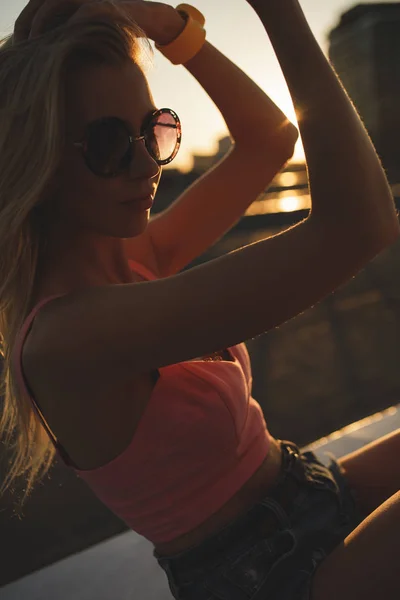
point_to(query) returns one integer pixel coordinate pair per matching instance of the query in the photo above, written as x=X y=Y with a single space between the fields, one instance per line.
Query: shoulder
x=93 y=417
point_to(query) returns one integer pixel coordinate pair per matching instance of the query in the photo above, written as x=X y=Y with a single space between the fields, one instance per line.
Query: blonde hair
x=32 y=115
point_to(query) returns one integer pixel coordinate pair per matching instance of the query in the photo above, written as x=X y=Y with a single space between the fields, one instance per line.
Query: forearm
x=346 y=178
x=252 y=118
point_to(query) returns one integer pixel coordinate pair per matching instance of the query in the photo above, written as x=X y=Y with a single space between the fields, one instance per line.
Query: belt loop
x=289 y=455
x=292 y=463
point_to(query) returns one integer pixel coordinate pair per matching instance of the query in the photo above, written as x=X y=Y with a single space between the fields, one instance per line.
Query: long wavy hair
x=33 y=79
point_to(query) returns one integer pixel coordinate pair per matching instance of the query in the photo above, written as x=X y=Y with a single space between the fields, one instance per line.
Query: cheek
x=79 y=189
x=92 y=202
x=76 y=179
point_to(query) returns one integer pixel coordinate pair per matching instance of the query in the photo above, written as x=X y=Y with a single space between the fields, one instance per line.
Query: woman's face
x=84 y=200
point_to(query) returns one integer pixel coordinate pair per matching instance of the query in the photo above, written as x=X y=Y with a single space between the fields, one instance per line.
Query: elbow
x=391 y=232
x=264 y=143
x=361 y=241
x=292 y=134
x=276 y=153
x=283 y=148
x=283 y=144
x=376 y=243
x=287 y=137
x=380 y=233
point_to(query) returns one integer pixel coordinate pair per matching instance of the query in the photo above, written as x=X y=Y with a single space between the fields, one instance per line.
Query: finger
x=52 y=14
x=23 y=23
x=95 y=8
x=100 y=8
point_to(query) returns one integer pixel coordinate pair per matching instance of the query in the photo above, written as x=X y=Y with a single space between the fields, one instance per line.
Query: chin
x=128 y=226
x=135 y=227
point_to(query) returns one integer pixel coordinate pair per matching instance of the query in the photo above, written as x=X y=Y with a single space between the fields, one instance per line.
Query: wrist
x=267 y=7
x=190 y=40
x=171 y=28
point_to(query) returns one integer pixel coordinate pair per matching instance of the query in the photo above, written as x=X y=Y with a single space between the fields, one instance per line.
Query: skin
x=86 y=248
x=364 y=565
x=88 y=221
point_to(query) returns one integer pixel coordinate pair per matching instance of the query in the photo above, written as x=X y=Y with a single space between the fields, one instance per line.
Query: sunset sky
x=235 y=30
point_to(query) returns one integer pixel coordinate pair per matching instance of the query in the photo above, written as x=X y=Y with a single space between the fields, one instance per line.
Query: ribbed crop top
x=200 y=438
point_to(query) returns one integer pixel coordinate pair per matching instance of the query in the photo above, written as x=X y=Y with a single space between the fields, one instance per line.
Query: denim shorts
x=272 y=551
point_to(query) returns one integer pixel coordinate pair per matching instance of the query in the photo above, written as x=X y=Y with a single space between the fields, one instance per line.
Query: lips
x=142 y=203
x=144 y=196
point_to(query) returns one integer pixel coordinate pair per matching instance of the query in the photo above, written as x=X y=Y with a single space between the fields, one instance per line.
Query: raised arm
x=138 y=327
x=263 y=141
x=349 y=190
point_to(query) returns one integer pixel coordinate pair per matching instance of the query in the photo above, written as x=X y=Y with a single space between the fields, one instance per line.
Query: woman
x=136 y=372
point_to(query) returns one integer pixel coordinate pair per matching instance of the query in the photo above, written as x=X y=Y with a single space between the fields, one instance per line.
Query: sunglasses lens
x=163 y=136
x=108 y=150
x=107 y=146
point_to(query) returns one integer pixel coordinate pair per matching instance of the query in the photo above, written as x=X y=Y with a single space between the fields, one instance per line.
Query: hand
x=258 y=5
x=41 y=8
x=160 y=22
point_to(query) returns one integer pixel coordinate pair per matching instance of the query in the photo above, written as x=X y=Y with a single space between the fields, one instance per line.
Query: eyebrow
x=125 y=121
x=128 y=123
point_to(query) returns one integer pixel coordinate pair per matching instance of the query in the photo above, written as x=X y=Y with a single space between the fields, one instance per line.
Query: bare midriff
x=249 y=494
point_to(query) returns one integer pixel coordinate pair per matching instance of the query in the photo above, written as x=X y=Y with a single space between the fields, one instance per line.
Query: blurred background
x=335 y=363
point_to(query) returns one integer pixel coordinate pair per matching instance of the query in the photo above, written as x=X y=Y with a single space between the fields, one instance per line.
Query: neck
x=73 y=261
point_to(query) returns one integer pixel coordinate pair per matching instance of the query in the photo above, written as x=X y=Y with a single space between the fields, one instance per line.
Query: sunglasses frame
x=128 y=157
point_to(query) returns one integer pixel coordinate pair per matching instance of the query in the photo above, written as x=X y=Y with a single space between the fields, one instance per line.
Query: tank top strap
x=141 y=270
x=17 y=358
x=22 y=383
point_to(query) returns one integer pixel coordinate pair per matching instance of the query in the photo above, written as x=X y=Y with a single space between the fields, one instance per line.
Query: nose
x=143 y=165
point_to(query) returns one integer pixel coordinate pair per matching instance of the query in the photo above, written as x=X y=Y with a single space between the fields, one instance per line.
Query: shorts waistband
x=268 y=514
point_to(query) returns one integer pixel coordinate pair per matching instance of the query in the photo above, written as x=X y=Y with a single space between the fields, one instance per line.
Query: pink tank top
x=201 y=437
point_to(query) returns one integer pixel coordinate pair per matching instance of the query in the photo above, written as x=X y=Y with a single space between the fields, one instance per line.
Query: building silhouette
x=203 y=162
x=365 y=52
x=291 y=180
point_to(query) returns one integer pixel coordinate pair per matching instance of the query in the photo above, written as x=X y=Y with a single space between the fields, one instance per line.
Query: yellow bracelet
x=190 y=41
x=193 y=12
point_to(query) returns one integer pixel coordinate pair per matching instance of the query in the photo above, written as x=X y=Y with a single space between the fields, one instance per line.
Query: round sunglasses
x=108 y=144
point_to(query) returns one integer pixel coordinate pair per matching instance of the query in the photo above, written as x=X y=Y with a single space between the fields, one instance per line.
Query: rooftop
x=360 y=12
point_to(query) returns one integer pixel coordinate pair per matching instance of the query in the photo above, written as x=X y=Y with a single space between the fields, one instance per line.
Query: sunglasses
x=108 y=144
